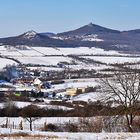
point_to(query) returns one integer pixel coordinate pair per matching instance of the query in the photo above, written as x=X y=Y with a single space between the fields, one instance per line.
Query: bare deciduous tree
x=31 y=120
x=30 y=113
x=124 y=89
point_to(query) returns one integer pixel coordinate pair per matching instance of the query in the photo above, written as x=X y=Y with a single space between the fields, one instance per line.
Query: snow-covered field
x=43 y=60
x=113 y=59
x=76 y=84
x=39 y=121
x=6 y=133
x=38 y=55
x=87 y=97
x=54 y=60
x=4 y=62
x=36 y=135
x=40 y=51
x=76 y=51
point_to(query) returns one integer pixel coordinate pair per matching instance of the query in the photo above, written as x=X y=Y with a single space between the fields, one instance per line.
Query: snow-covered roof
x=37 y=82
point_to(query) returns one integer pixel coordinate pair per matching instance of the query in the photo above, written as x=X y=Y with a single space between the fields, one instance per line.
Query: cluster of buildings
x=24 y=82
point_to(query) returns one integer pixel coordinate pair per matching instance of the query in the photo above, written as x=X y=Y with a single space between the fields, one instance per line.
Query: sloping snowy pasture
x=76 y=51
x=4 y=62
x=43 y=60
x=38 y=56
x=113 y=59
x=40 y=51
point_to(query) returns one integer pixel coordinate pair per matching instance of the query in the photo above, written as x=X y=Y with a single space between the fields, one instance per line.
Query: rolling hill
x=90 y=35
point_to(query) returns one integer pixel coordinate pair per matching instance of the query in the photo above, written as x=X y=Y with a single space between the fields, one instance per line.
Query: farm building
x=80 y=90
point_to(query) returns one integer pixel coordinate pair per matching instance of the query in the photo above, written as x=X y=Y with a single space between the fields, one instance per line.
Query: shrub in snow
x=71 y=127
x=51 y=127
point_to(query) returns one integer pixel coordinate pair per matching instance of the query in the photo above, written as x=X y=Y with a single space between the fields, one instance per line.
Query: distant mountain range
x=90 y=35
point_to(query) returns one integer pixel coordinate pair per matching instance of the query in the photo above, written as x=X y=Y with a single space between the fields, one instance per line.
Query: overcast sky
x=18 y=16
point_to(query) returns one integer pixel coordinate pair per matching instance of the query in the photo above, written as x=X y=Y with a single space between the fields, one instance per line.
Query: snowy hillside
x=29 y=35
x=48 y=56
x=92 y=37
x=4 y=62
x=112 y=60
x=36 y=51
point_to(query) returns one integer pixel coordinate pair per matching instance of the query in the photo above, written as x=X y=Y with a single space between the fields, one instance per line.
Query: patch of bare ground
x=20 y=134
x=26 y=136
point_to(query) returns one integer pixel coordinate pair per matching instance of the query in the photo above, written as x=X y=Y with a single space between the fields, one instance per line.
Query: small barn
x=73 y=91
x=37 y=83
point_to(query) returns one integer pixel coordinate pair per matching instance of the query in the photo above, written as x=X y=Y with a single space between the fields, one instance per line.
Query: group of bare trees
x=124 y=90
